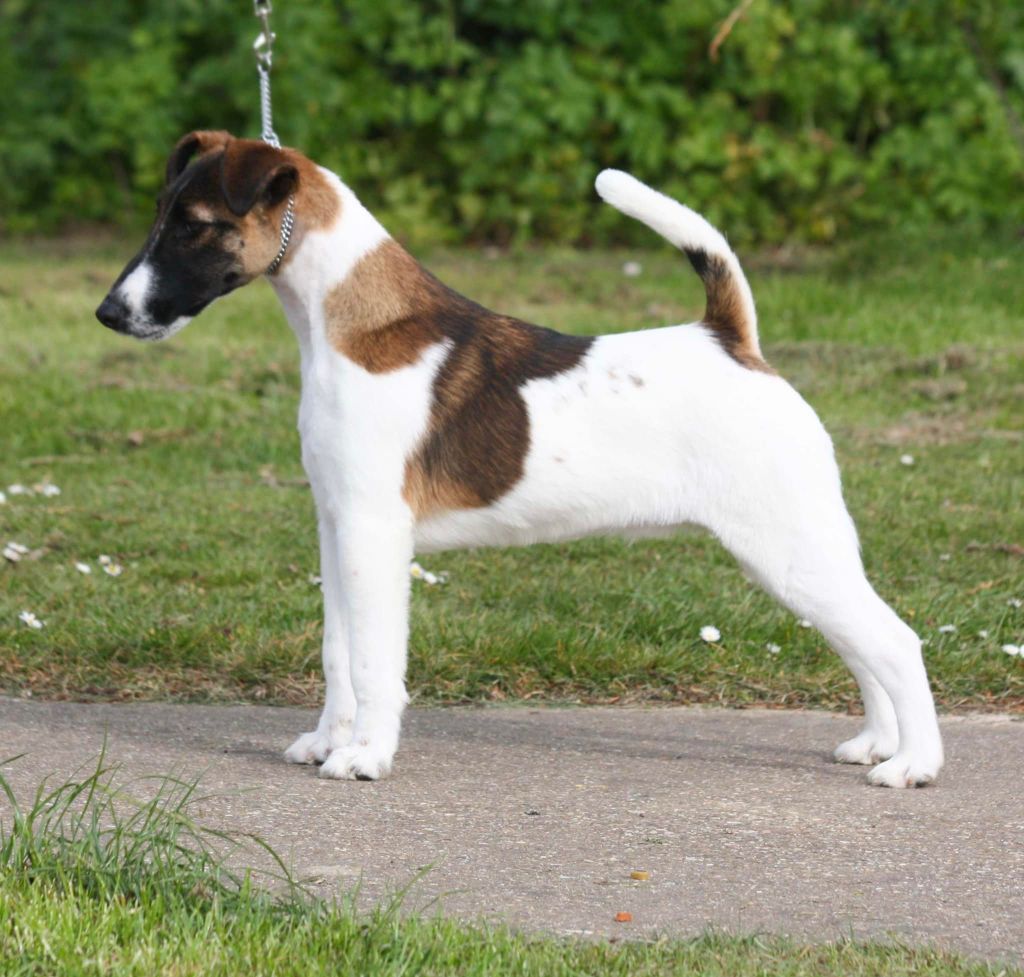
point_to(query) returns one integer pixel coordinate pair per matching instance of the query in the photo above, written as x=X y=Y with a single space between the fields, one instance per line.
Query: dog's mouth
x=154 y=334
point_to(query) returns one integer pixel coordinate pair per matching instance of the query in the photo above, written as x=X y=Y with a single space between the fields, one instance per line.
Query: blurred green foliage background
x=488 y=119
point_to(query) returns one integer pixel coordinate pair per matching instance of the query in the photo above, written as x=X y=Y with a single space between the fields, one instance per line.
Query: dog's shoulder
x=389 y=308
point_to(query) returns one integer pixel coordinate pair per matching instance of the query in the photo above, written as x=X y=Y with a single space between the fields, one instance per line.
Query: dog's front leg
x=374 y=551
x=335 y=727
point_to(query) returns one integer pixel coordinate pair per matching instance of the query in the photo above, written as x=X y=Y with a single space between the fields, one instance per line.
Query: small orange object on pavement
x=640 y=876
x=623 y=917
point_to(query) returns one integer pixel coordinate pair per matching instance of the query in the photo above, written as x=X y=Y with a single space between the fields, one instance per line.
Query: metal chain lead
x=264 y=49
x=269 y=136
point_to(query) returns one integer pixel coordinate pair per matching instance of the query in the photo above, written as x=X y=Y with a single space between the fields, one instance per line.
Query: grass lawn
x=94 y=883
x=181 y=462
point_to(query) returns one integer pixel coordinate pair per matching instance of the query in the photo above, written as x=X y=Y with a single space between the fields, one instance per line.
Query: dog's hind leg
x=798 y=542
x=884 y=655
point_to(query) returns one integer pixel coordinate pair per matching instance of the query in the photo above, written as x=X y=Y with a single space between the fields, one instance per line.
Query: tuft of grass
x=181 y=461
x=95 y=881
x=98 y=841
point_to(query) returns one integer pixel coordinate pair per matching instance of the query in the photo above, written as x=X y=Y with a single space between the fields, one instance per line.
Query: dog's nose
x=113 y=313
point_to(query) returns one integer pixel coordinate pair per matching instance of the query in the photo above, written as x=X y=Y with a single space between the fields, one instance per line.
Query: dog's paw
x=358 y=761
x=315 y=747
x=905 y=770
x=867 y=747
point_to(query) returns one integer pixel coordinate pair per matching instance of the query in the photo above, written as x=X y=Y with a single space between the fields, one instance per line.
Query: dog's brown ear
x=254 y=172
x=200 y=142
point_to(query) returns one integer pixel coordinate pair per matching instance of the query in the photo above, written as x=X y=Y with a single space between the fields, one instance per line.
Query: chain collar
x=287 y=223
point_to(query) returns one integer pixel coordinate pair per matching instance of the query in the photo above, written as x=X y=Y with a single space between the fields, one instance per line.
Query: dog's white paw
x=361 y=760
x=867 y=747
x=315 y=747
x=905 y=770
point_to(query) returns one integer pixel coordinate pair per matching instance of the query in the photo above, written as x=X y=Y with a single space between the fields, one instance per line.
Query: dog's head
x=218 y=226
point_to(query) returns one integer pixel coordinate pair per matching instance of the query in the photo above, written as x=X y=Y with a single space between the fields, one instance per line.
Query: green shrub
x=490 y=118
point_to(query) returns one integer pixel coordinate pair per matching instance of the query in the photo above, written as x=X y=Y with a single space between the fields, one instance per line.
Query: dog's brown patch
x=317 y=204
x=257 y=241
x=383 y=316
x=725 y=315
x=375 y=316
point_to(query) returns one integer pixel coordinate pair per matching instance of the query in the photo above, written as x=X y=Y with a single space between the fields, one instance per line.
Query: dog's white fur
x=651 y=431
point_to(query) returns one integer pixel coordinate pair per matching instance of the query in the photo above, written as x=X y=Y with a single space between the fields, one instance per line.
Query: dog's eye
x=192 y=228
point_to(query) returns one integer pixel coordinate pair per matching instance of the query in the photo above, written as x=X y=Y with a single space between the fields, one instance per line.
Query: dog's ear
x=254 y=172
x=200 y=142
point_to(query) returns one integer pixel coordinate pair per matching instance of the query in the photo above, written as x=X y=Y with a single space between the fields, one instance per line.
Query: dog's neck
x=352 y=290
x=321 y=258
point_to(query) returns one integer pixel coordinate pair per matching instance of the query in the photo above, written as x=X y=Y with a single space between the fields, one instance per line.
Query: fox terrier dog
x=429 y=422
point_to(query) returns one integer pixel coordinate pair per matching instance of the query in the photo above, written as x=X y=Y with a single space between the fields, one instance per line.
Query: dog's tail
x=730 y=312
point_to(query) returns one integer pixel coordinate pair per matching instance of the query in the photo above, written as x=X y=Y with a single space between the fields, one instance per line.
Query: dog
x=429 y=422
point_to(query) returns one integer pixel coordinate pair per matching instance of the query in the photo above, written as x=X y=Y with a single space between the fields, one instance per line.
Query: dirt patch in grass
x=939 y=429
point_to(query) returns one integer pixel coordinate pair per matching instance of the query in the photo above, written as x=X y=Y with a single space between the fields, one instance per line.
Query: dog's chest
x=358 y=428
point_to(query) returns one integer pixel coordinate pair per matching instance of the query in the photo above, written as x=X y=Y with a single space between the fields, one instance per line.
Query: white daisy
x=112 y=569
x=14 y=551
x=48 y=489
x=1014 y=650
x=804 y=623
x=1015 y=602
x=906 y=459
x=3 y=498
x=105 y=560
x=983 y=634
x=83 y=567
x=431 y=579
x=18 y=489
x=632 y=269
x=28 y=618
x=710 y=633
x=773 y=649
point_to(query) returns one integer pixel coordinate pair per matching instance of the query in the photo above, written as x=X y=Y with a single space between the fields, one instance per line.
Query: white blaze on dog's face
x=218 y=226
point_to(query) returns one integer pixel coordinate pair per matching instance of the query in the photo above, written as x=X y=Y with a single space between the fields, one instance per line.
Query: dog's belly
x=468 y=529
x=640 y=438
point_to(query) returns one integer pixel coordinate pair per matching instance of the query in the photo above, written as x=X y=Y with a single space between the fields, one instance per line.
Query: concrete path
x=537 y=816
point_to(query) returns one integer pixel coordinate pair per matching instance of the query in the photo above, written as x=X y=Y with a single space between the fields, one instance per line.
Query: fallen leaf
x=623 y=917
x=984 y=585
x=1011 y=549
